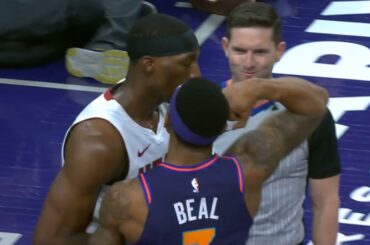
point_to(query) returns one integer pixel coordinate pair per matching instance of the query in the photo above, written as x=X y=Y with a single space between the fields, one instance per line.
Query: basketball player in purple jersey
x=195 y=197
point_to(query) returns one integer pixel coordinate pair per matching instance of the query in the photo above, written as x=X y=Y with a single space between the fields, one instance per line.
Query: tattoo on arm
x=114 y=212
x=117 y=203
x=273 y=139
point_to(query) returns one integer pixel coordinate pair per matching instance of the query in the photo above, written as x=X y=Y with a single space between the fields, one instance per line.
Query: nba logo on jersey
x=195 y=185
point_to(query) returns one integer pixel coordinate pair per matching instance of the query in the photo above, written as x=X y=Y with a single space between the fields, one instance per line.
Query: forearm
x=273 y=139
x=325 y=223
x=296 y=94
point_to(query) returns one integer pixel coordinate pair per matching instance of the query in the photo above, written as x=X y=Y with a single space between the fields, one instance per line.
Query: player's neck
x=130 y=97
x=186 y=155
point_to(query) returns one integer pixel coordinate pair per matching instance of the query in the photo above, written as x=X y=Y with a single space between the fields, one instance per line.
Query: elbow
x=324 y=96
x=328 y=203
x=319 y=106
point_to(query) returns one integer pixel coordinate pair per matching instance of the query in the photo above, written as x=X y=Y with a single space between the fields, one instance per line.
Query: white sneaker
x=108 y=66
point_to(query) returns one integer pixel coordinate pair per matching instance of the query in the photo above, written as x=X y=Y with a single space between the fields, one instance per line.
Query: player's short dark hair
x=202 y=107
x=254 y=14
x=160 y=35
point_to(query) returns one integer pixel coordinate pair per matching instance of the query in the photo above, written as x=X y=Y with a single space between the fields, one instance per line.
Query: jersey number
x=199 y=237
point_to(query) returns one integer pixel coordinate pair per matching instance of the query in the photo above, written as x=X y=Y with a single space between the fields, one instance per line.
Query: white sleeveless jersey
x=143 y=146
x=279 y=219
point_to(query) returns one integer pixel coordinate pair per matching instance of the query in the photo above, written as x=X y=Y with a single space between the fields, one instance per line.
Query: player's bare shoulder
x=95 y=129
x=121 y=201
x=96 y=148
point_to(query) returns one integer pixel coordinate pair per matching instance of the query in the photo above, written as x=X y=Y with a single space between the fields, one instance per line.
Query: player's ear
x=147 y=63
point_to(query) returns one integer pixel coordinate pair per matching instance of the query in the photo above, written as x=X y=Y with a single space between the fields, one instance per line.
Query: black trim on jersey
x=323 y=157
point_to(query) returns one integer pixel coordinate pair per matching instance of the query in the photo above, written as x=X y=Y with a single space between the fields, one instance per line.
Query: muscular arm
x=277 y=135
x=94 y=155
x=261 y=150
x=115 y=209
x=296 y=94
x=122 y=215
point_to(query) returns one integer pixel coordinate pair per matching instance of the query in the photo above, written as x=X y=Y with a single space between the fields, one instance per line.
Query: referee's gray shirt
x=279 y=219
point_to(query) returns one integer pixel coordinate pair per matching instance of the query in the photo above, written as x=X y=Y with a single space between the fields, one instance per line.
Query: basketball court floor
x=328 y=43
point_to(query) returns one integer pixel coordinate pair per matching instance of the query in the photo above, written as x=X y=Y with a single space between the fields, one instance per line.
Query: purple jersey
x=200 y=204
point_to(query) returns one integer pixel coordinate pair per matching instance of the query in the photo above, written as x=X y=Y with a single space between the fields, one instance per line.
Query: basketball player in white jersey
x=121 y=131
